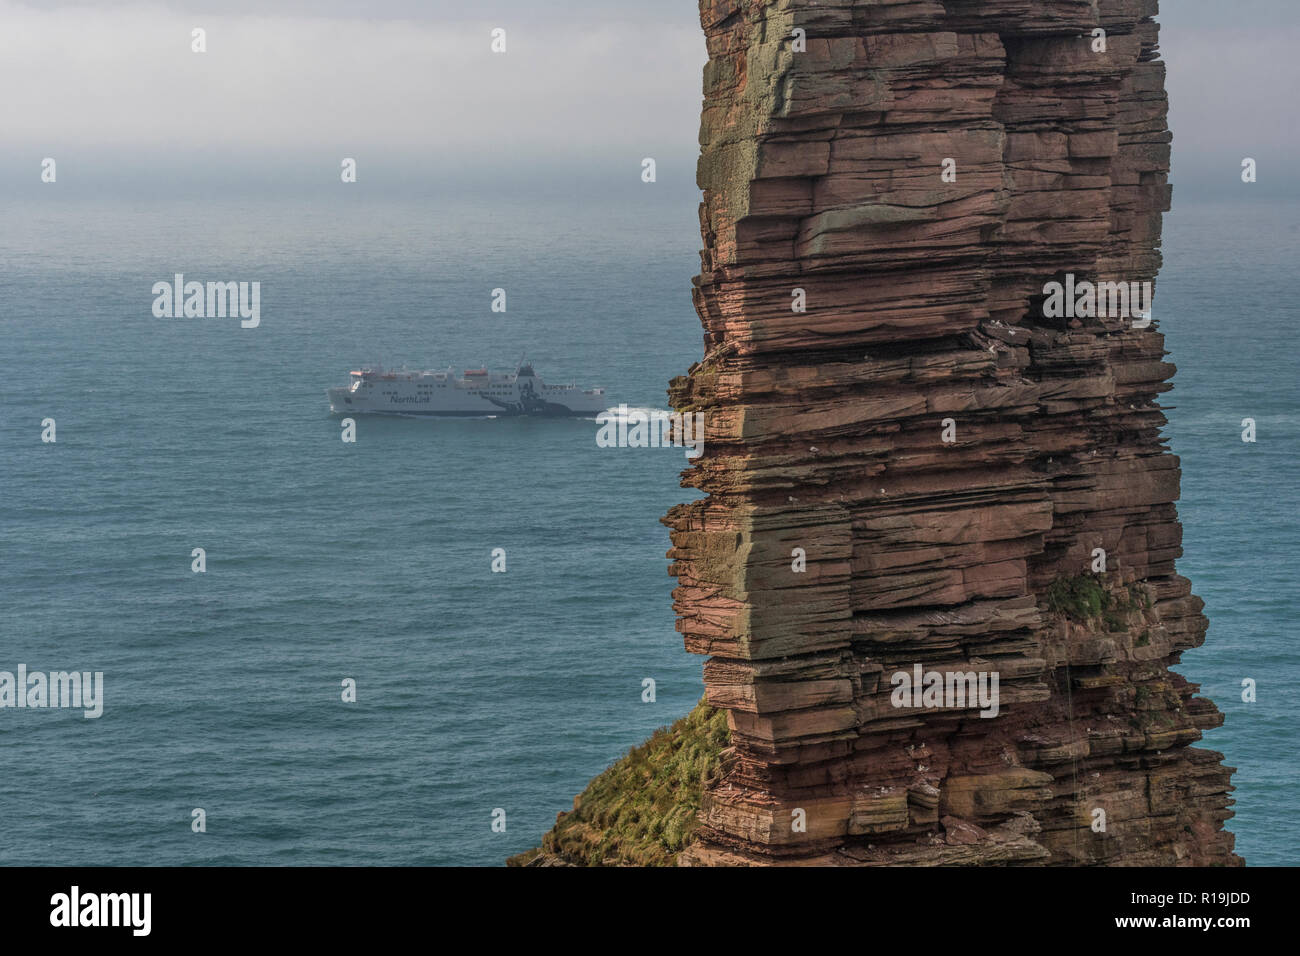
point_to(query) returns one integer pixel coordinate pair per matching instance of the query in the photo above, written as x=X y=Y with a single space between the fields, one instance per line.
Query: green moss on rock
x=1079 y=597
x=1082 y=598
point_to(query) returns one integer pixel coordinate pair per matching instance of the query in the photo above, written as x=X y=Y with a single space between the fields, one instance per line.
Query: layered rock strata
x=909 y=461
x=951 y=466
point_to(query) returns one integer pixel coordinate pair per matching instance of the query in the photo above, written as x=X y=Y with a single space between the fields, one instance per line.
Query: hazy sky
x=412 y=91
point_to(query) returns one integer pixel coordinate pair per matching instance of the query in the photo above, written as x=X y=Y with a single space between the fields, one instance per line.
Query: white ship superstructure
x=475 y=393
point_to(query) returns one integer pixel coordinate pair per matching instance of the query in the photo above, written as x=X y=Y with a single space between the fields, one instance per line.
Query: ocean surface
x=476 y=691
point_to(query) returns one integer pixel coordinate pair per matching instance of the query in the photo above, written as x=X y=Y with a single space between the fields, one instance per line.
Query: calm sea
x=372 y=561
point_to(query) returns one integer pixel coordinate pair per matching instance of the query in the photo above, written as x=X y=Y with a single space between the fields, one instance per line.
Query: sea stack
x=912 y=468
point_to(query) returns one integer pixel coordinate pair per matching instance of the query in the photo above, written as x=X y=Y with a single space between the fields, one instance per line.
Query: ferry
x=475 y=393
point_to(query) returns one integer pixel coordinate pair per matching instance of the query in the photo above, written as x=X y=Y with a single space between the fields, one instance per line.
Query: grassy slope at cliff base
x=644 y=809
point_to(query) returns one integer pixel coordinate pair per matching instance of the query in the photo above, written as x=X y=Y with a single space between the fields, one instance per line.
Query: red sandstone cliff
x=824 y=134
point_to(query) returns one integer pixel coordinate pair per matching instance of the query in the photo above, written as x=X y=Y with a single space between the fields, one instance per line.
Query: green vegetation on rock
x=643 y=810
x=1081 y=597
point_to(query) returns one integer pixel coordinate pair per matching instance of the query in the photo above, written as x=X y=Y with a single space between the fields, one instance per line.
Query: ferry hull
x=550 y=410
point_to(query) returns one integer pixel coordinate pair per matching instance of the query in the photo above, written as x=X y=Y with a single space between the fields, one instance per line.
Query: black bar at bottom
x=578 y=907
